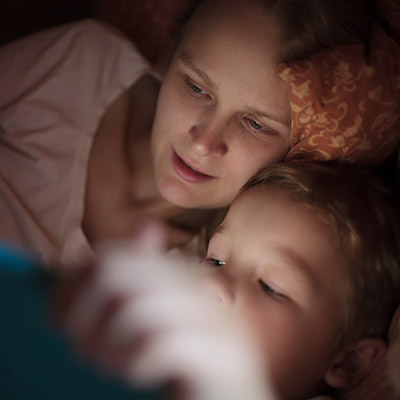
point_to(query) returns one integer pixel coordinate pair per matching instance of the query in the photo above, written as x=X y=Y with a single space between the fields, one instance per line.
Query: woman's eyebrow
x=187 y=60
x=273 y=117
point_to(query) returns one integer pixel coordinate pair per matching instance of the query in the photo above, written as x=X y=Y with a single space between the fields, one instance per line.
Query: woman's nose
x=221 y=288
x=209 y=139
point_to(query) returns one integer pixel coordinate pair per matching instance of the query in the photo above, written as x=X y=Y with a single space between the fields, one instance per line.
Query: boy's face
x=279 y=266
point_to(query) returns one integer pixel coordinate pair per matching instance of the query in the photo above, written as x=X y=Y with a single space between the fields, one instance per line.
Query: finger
x=173 y=355
x=150 y=236
x=209 y=366
x=117 y=359
x=87 y=308
x=152 y=312
x=96 y=334
x=94 y=343
x=67 y=290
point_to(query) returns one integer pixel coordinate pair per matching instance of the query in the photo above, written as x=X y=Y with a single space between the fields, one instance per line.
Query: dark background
x=148 y=23
x=21 y=17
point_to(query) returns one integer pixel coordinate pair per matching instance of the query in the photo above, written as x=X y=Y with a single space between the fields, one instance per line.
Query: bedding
x=346 y=105
x=65 y=78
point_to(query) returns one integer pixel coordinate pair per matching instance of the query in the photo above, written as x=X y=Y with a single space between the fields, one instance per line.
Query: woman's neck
x=121 y=189
x=143 y=191
x=144 y=194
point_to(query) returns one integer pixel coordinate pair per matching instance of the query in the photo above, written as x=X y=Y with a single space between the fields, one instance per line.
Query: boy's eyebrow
x=219 y=230
x=299 y=264
x=187 y=60
x=291 y=258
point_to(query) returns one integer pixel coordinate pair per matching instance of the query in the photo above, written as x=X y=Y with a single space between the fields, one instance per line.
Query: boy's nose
x=221 y=288
x=208 y=140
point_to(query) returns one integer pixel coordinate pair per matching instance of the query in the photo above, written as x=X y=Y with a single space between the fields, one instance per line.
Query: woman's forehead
x=228 y=14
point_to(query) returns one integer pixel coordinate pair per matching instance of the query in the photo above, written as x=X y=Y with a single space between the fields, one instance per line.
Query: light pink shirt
x=54 y=89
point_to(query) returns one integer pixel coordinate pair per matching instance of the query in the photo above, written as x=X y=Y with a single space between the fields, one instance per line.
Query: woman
x=91 y=144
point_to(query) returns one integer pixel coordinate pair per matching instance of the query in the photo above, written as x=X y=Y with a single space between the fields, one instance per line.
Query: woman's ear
x=355 y=362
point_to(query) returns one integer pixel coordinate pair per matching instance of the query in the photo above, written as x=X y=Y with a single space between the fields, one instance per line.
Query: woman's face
x=223 y=112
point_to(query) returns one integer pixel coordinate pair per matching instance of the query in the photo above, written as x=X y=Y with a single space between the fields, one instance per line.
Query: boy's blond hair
x=365 y=214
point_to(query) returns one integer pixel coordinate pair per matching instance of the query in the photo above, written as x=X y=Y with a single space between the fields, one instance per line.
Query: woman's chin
x=181 y=196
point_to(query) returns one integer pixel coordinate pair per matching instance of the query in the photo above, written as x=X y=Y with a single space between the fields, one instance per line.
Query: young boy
x=307 y=259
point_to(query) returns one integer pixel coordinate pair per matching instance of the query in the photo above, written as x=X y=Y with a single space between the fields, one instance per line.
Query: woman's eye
x=215 y=263
x=271 y=291
x=259 y=128
x=198 y=91
x=256 y=125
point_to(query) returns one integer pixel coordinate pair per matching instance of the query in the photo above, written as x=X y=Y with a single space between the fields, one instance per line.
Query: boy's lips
x=188 y=172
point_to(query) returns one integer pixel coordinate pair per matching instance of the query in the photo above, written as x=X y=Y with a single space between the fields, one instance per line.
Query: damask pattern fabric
x=345 y=104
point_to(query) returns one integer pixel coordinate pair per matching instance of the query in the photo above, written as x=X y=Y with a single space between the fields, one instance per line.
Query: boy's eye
x=215 y=263
x=271 y=291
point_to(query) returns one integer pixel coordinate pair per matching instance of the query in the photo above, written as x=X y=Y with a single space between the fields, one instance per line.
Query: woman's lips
x=187 y=172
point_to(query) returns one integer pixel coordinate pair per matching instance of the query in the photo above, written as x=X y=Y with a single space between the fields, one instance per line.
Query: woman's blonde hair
x=309 y=26
x=365 y=213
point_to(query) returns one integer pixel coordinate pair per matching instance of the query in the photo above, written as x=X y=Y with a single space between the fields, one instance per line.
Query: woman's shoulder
x=55 y=88
x=94 y=32
x=85 y=56
x=86 y=29
x=81 y=42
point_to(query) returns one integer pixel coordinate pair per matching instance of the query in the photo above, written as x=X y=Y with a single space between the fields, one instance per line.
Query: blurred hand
x=147 y=318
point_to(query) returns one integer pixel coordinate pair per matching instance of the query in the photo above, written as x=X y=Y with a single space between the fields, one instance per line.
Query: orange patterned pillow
x=346 y=105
